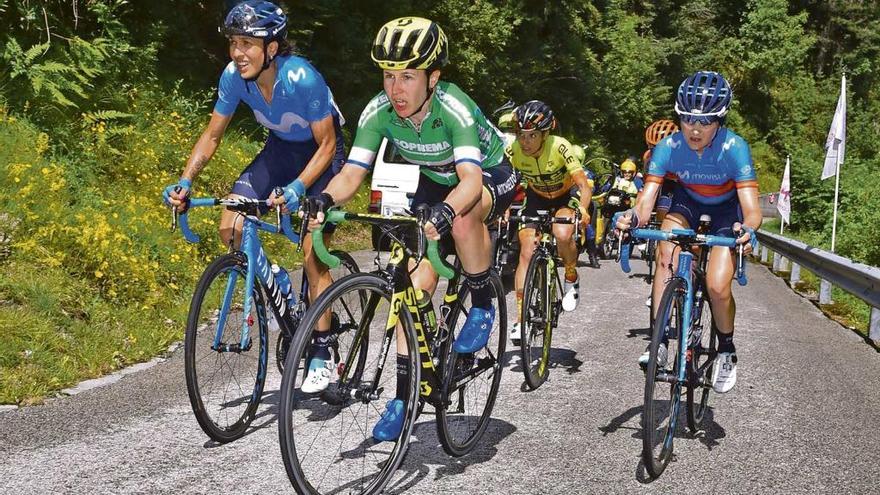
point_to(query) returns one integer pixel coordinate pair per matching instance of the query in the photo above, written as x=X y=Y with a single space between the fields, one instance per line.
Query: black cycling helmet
x=535 y=115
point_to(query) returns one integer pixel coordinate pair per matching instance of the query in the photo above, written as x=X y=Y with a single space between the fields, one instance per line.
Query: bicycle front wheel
x=702 y=343
x=662 y=387
x=470 y=381
x=537 y=321
x=225 y=369
x=326 y=439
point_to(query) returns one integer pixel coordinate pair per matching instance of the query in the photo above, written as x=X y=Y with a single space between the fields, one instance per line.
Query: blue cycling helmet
x=704 y=96
x=256 y=18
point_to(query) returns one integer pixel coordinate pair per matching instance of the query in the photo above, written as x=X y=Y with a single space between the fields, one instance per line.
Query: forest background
x=102 y=100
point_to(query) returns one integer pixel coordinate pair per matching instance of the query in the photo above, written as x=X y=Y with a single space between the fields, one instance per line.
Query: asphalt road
x=803 y=418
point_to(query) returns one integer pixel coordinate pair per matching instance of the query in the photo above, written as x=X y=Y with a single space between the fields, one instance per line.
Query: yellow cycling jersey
x=549 y=175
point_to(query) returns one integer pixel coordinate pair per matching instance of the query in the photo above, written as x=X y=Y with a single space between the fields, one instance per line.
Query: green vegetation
x=101 y=101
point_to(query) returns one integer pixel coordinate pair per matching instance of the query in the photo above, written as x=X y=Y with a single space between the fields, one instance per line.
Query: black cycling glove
x=441 y=216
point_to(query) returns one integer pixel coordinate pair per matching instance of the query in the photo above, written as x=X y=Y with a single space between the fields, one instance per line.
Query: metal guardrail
x=861 y=280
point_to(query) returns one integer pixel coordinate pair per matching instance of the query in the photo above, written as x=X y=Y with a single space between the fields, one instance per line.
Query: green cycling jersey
x=454 y=131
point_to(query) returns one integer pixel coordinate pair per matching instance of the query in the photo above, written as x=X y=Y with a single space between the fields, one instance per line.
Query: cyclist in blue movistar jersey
x=715 y=175
x=289 y=97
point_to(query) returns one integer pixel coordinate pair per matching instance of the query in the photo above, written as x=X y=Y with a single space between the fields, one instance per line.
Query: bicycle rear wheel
x=326 y=442
x=662 y=388
x=347 y=266
x=702 y=344
x=537 y=321
x=224 y=380
x=470 y=381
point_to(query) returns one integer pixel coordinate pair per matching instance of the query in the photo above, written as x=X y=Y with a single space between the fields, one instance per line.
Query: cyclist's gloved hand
x=745 y=235
x=440 y=217
x=292 y=193
x=626 y=220
x=176 y=194
x=317 y=206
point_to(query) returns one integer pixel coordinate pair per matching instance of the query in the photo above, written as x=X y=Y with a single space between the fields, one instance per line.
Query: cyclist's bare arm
x=325 y=135
x=644 y=205
x=207 y=145
x=751 y=210
x=469 y=189
x=580 y=178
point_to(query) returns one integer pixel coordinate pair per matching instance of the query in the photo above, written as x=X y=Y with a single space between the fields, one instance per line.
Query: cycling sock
x=321 y=345
x=402 y=377
x=481 y=289
x=519 y=302
x=725 y=343
x=571 y=272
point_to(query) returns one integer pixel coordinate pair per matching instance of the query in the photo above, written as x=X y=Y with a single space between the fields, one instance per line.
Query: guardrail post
x=765 y=255
x=825 y=292
x=795 y=276
x=777 y=262
x=874 y=328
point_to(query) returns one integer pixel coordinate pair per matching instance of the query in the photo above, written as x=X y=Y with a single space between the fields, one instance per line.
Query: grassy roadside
x=91 y=279
x=846 y=309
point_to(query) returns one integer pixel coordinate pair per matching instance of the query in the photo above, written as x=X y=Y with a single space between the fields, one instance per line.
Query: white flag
x=783 y=204
x=836 y=141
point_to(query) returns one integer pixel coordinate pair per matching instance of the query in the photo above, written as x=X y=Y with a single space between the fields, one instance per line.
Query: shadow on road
x=425 y=449
x=564 y=359
x=709 y=435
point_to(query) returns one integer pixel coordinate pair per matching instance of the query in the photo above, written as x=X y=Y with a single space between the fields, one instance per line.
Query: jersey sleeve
x=571 y=163
x=744 y=175
x=369 y=133
x=227 y=92
x=659 y=164
x=466 y=142
x=316 y=95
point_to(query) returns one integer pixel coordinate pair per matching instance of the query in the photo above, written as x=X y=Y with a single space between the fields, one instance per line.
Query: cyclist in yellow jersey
x=549 y=170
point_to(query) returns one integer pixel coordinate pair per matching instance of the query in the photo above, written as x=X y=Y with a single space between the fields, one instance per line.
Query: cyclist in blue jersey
x=716 y=176
x=289 y=97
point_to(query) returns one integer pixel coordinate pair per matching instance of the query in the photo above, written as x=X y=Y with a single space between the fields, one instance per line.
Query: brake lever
x=279 y=193
x=305 y=208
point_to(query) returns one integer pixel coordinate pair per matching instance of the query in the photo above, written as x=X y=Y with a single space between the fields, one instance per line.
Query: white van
x=394 y=182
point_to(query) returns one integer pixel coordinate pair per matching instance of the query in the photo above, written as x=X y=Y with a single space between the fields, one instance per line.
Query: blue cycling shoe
x=474 y=334
x=389 y=425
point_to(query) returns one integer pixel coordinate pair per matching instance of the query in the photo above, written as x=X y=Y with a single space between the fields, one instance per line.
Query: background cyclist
x=715 y=177
x=465 y=177
x=290 y=98
x=654 y=133
x=549 y=170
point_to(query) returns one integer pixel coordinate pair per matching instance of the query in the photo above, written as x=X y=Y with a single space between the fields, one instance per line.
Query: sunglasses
x=691 y=118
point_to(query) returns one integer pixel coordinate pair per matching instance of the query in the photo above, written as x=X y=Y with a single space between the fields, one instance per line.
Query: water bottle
x=282 y=279
x=426 y=313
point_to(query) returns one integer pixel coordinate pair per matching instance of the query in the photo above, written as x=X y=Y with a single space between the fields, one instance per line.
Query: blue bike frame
x=252 y=249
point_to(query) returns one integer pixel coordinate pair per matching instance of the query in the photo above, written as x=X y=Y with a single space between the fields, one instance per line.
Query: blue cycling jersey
x=711 y=178
x=299 y=98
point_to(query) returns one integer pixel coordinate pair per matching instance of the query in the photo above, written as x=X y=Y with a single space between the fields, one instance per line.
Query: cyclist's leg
x=719 y=278
x=527 y=243
x=472 y=243
x=568 y=251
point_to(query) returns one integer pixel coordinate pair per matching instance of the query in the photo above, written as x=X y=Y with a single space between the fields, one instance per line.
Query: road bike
x=685 y=321
x=227 y=332
x=542 y=302
x=326 y=440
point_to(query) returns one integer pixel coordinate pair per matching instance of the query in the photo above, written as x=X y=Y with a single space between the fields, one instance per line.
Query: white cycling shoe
x=662 y=356
x=724 y=372
x=320 y=374
x=571 y=291
x=516 y=333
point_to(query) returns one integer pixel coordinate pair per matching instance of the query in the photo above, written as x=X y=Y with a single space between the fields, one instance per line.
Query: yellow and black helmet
x=410 y=43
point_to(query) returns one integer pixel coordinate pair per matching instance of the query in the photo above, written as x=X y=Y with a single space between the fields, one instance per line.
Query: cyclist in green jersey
x=465 y=179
